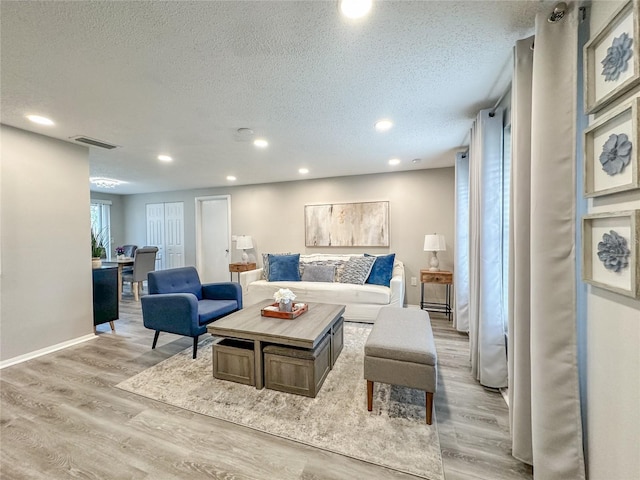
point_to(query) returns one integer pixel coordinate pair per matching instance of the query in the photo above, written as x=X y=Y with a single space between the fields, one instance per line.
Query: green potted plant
x=97 y=248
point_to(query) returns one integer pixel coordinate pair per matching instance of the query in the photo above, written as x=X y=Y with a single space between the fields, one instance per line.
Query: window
x=506 y=182
x=101 y=221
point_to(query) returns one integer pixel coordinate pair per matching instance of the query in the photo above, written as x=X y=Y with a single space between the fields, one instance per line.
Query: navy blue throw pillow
x=382 y=270
x=284 y=268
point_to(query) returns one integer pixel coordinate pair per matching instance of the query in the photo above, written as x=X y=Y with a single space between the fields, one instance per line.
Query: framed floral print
x=612 y=58
x=610 y=251
x=611 y=151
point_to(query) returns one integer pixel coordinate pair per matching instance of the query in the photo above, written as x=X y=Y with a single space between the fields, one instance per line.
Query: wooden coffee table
x=305 y=331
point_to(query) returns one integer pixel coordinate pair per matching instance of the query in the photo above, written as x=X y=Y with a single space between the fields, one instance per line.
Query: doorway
x=213 y=237
x=165 y=230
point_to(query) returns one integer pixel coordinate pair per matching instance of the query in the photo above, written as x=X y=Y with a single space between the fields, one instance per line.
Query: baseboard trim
x=45 y=351
x=505 y=394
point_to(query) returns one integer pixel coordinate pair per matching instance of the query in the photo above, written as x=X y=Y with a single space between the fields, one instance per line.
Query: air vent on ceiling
x=93 y=142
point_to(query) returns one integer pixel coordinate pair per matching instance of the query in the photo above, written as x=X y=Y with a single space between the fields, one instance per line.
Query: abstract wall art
x=364 y=224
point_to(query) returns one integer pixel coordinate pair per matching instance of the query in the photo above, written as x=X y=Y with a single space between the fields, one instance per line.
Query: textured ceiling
x=181 y=77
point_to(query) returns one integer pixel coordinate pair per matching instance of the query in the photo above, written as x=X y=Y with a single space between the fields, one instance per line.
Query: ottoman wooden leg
x=429 y=407
x=369 y=395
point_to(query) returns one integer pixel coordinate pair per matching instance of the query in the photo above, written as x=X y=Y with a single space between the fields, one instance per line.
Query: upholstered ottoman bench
x=400 y=351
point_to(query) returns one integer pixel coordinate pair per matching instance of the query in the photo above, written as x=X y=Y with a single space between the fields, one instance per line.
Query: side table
x=240 y=267
x=440 y=277
x=105 y=296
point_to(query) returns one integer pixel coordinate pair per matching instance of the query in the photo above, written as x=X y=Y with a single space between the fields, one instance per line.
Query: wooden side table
x=440 y=277
x=240 y=267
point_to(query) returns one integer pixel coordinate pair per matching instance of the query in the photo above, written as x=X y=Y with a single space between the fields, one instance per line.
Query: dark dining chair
x=130 y=250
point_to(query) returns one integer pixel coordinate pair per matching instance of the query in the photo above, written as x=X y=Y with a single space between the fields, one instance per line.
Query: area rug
x=393 y=435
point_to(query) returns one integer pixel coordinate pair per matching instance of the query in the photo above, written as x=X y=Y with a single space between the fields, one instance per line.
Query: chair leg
x=369 y=395
x=429 y=402
x=113 y=327
x=195 y=347
x=135 y=287
x=155 y=339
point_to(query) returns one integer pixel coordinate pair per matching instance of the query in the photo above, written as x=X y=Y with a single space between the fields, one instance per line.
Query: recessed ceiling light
x=303 y=171
x=383 y=125
x=103 y=182
x=231 y=178
x=40 y=120
x=165 y=158
x=394 y=161
x=355 y=8
x=261 y=143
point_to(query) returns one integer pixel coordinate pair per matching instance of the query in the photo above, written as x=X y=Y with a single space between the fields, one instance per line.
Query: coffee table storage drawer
x=234 y=360
x=297 y=370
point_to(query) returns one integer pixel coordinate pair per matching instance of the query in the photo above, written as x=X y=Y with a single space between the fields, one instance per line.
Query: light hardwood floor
x=61 y=417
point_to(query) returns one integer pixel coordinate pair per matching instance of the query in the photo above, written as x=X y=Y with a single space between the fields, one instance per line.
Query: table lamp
x=434 y=243
x=243 y=243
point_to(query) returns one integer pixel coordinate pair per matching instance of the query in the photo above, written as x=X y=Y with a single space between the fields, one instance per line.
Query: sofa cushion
x=265 y=263
x=284 y=267
x=382 y=269
x=357 y=269
x=209 y=310
x=318 y=273
x=324 y=292
x=338 y=266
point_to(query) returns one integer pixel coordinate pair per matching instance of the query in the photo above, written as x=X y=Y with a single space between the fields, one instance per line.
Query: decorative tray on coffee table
x=272 y=311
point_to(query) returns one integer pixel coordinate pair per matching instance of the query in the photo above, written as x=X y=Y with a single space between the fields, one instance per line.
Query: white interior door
x=213 y=239
x=174 y=235
x=155 y=231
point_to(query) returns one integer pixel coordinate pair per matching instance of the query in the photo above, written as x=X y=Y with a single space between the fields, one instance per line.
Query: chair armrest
x=171 y=312
x=250 y=276
x=223 y=291
x=397 y=286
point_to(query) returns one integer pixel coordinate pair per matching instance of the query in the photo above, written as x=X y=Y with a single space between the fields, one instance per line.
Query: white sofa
x=362 y=301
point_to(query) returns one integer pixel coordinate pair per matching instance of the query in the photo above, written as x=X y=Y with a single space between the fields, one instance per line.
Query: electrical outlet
x=414 y=282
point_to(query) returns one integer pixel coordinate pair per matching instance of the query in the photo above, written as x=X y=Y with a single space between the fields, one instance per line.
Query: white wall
x=613 y=351
x=46 y=292
x=420 y=202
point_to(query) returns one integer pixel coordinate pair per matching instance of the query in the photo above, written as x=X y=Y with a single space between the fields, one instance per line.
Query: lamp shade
x=243 y=242
x=434 y=243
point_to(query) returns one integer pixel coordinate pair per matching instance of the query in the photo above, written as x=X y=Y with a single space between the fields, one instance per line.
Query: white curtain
x=486 y=317
x=461 y=273
x=544 y=397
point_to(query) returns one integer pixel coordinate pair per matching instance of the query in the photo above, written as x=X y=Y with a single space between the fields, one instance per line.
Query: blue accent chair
x=178 y=303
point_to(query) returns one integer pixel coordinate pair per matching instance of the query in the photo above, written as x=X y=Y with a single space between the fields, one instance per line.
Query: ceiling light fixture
x=355 y=8
x=40 y=120
x=303 y=171
x=394 y=161
x=383 y=125
x=102 y=182
x=261 y=143
x=165 y=158
x=231 y=178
